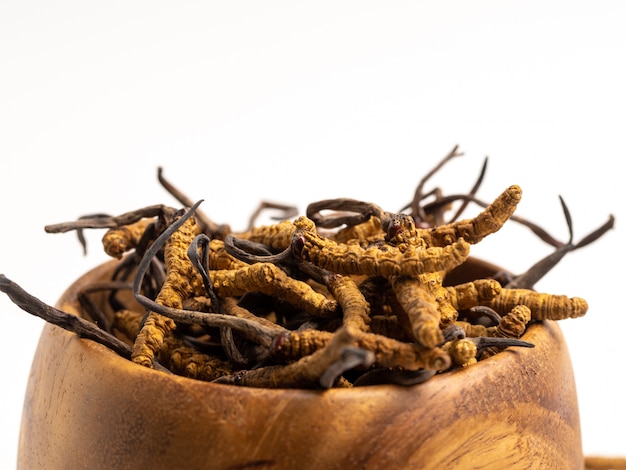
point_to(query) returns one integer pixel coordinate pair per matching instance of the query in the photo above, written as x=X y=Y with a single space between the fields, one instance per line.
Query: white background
x=294 y=102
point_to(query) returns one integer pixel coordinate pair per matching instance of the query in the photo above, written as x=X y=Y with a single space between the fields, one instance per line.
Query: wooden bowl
x=86 y=407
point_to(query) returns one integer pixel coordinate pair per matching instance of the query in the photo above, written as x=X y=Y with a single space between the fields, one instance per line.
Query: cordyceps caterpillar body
x=417 y=311
x=542 y=306
x=474 y=230
x=347 y=299
x=174 y=290
x=373 y=261
x=292 y=345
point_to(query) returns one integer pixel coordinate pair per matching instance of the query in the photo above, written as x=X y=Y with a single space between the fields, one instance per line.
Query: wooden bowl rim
x=536 y=333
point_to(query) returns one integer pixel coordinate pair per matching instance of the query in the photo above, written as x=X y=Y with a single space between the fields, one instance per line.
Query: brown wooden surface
x=86 y=407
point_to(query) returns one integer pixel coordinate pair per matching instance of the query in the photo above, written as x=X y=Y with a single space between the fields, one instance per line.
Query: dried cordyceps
x=178 y=286
x=346 y=295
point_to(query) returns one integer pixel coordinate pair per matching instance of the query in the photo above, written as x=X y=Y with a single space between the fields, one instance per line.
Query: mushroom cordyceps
x=355 y=297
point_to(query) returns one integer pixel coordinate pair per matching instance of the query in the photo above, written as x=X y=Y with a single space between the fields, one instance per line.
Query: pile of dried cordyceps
x=347 y=295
